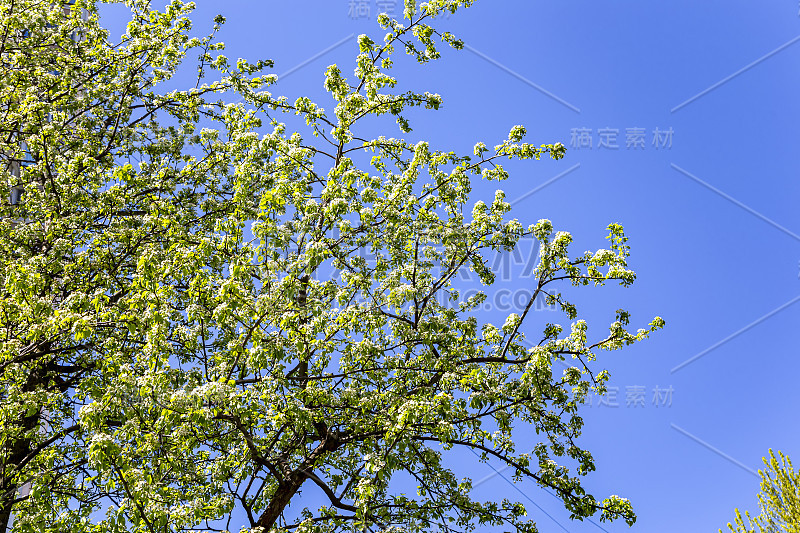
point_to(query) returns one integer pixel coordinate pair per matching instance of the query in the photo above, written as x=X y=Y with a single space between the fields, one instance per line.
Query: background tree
x=202 y=311
x=779 y=500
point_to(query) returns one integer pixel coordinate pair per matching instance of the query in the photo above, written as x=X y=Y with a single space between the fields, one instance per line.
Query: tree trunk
x=294 y=481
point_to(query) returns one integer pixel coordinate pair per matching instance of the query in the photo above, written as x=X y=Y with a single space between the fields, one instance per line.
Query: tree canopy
x=779 y=500
x=205 y=305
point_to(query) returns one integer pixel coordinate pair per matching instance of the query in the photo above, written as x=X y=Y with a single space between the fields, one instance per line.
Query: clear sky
x=681 y=123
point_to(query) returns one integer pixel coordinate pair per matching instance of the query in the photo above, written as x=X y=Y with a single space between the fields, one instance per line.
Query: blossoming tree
x=190 y=330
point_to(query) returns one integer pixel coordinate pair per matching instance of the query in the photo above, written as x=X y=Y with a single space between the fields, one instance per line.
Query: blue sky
x=711 y=210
